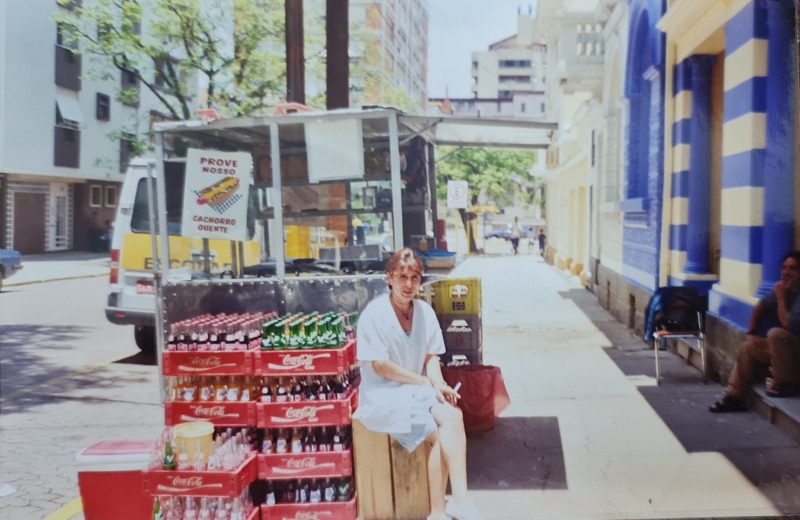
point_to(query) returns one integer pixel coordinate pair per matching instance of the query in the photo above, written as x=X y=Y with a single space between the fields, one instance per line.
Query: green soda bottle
x=169 y=457
x=309 y=341
x=266 y=336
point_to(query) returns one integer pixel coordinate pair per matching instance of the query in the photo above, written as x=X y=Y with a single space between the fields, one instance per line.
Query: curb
x=31 y=282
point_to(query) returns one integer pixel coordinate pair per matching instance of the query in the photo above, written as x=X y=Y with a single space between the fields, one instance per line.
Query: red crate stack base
x=305 y=465
x=219 y=413
x=227 y=484
x=222 y=363
x=320 y=511
x=300 y=362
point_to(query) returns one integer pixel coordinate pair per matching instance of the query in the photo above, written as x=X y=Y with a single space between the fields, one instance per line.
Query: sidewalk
x=59 y=266
x=589 y=435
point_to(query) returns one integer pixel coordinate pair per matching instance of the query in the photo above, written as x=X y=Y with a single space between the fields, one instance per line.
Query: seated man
x=773 y=340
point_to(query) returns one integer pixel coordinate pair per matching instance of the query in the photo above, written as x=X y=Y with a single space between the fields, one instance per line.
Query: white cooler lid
x=115 y=456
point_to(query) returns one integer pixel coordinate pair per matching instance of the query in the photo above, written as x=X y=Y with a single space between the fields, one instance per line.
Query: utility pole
x=295 y=55
x=337 y=67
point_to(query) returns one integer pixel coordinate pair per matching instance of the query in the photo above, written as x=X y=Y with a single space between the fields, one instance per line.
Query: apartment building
x=65 y=138
x=389 y=56
x=513 y=69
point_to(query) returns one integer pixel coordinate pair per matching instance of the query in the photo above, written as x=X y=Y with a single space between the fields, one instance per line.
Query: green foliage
x=487 y=170
x=222 y=41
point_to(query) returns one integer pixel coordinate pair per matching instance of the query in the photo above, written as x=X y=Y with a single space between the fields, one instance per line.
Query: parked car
x=10 y=263
x=505 y=233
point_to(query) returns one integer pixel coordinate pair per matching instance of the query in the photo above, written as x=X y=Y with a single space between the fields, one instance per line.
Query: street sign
x=457 y=194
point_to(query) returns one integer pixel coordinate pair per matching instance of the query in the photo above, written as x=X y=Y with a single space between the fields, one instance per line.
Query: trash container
x=111 y=480
x=483 y=394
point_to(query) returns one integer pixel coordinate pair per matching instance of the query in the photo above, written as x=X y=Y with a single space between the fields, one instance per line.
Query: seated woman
x=402 y=390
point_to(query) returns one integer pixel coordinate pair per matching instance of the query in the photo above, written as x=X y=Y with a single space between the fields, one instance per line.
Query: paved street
x=63 y=391
x=588 y=435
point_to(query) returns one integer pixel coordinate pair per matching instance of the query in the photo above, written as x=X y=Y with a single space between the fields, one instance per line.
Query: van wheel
x=145 y=337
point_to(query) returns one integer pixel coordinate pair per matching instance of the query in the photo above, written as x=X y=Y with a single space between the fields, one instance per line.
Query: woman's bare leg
x=453 y=442
x=436 y=475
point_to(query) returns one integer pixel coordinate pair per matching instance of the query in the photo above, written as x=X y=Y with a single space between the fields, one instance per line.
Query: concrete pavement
x=59 y=266
x=588 y=434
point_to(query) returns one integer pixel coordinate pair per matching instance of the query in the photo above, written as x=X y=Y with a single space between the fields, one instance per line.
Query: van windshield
x=140 y=217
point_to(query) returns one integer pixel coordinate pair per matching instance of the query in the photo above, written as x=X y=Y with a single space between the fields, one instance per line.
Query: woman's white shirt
x=385 y=405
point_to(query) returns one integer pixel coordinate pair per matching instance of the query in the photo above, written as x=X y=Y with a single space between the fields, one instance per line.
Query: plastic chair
x=700 y=344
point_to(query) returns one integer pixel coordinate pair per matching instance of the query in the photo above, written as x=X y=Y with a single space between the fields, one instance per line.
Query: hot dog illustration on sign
x=218 y=192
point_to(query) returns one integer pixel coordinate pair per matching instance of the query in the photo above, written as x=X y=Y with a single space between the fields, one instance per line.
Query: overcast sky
x=457 y=29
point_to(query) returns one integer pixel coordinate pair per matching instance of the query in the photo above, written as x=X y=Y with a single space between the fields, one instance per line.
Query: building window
x=103 y=107
x=95 y=196
x=474 y=65
x=66 y=36
x=111 y=197
x=504 y=94
x=127 y=150
x=515 y=79
x=68 y=61
x=543 y=108
x=522 y=108
x=515 y=64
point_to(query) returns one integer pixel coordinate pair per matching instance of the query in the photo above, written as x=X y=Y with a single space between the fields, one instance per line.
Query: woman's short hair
x=405 y=259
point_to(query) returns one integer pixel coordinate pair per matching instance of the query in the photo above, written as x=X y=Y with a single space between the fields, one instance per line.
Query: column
x=778 y=233
x=699 y=166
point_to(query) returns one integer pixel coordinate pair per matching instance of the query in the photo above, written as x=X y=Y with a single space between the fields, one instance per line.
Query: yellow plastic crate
x=457 y=296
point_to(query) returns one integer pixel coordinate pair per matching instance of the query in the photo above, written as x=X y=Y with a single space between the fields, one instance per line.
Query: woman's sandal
x=727 y=404
x=782 y=390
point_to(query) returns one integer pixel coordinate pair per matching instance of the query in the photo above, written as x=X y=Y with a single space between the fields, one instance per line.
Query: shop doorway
x=29 y=222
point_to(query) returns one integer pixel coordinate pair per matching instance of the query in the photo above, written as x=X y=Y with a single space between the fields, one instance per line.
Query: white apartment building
x=58 y=162
x=515 y=66
x=397 y=46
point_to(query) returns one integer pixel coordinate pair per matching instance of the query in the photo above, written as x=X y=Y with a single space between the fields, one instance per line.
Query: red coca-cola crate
x=220 y=413
x=227 y=484
x=306 y=362
x=321 y=511
x=306 y=413
x=221 y=363
x=305 y=465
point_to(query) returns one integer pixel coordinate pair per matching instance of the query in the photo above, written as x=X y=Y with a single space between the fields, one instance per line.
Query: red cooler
x=111 y=480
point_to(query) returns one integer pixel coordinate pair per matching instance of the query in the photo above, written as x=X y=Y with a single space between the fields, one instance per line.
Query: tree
x=222 y=44
x=487 y=170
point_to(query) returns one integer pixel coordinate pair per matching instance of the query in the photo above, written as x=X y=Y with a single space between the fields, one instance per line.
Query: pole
x=295 y=54
x=397 y=202
x=277 y=187
x=337 y=67
x=159 y=307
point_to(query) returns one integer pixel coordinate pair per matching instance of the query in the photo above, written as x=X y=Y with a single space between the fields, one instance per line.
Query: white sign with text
x=215 y=194
x=457 y=194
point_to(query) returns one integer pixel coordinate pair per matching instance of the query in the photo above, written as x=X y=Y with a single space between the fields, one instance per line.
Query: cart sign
x=457 y=194
x=215 y=195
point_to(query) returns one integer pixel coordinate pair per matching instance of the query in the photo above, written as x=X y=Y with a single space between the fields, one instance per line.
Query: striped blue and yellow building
x=729 y=211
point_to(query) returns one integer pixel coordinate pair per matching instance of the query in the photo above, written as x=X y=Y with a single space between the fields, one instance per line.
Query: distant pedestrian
x=515 y=234
x=94 y=233
x=542 y=240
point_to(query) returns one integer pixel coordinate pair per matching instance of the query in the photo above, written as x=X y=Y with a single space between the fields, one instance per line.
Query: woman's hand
x=445 y=394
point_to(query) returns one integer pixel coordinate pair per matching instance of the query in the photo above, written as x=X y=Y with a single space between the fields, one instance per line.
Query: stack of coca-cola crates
x=334 y=467
x=187 y=360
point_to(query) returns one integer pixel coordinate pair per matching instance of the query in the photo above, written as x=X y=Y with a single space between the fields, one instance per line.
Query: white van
x=131 y=299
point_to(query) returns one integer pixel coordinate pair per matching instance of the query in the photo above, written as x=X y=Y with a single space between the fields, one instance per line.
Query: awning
x=70 y=109
x=481 y=132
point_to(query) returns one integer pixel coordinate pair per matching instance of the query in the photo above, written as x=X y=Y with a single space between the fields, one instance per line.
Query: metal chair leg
x=657 y=345
x=702 y=343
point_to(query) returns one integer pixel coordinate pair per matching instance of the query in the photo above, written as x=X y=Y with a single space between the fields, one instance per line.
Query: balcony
x=581 y=54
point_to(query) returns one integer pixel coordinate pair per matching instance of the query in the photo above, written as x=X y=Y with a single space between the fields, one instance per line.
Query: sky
x=457 y=28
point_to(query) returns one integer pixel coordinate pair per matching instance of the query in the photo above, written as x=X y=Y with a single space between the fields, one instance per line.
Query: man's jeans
x=780 y=350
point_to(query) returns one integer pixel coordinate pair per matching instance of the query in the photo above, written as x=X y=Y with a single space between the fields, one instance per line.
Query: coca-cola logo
x=207 y=412
x=307 y=413
x=204 y=363
x=188 y=481
x=308 y=462
x=308 y=515
x=297 y=466
x=304 y=361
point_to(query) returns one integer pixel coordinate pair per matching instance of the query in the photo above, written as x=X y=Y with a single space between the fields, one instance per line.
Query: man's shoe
x=727 y=404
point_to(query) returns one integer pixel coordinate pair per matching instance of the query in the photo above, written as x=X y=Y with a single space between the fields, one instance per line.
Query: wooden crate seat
x=392 y=484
